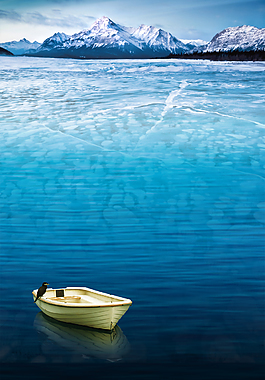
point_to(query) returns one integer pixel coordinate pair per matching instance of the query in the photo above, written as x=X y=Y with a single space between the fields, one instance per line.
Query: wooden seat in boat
x=66 y=298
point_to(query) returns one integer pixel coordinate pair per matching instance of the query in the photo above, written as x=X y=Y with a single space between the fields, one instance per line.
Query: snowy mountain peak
x=55 y=40
x=58 y=37
x=102 y=23
x=105 y=24
x=244 y=37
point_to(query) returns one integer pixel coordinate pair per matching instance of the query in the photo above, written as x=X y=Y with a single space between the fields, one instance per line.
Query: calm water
x=143 y=179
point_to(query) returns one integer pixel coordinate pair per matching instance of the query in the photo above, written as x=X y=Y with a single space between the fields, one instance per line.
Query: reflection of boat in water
x=84 y=340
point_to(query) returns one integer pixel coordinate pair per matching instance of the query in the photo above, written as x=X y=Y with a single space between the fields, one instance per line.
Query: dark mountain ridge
x=5 y=52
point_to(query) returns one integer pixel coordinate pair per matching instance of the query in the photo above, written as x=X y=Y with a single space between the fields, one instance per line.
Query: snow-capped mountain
x=191 y=44
x=242 y=38
x=56 y=40
x=106 y=39
x=20 y=47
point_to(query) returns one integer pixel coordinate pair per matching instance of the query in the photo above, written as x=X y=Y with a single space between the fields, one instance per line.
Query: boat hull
x=104 y=316
x=98 y=317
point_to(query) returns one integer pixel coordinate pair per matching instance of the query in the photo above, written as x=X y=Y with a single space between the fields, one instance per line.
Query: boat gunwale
x=122 y=302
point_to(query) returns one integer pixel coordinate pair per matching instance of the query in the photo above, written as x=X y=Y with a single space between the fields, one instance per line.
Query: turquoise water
x=143 y=179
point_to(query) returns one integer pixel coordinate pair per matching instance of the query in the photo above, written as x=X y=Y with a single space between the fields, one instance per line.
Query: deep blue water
x=143 y=179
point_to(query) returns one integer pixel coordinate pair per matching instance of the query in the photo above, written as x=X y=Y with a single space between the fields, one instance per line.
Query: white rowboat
x=83 y=306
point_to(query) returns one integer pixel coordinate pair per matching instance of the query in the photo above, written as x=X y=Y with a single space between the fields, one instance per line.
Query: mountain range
x=20 y=47
x=106 y=39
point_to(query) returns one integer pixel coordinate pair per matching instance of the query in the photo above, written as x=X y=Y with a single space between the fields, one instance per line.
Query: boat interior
x=80 y=296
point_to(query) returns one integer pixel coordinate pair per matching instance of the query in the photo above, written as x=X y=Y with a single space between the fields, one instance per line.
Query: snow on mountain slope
x=191 y=44
x=54 y=41
x=20 y=47
x=158 y=39
x=238 y=38
x=194 y=42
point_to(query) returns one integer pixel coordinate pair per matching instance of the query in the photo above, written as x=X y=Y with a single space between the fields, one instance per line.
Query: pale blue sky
x=185 y=19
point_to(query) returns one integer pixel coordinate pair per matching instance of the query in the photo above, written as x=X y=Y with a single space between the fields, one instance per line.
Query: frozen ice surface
x=161 y=145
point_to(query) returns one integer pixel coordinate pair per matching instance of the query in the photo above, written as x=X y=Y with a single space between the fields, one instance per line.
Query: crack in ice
x=169 y=105
x=229 y=116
